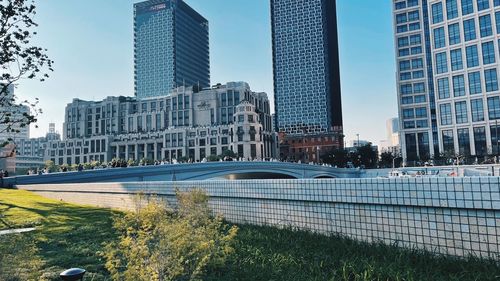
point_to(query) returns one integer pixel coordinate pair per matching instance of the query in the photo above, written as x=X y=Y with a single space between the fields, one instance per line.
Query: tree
x=213 y=158
x=160 y=243
x=19 y=59
x=131 y=163
x=337 y=157
x=386 y=159
x=228 y=153
x=368 y=156
x=51 y=166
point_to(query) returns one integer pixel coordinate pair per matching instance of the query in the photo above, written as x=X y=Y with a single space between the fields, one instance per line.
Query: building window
x=417 y=63
x=458 y=86
x=480 y=141
x=404 y=65
x=483 y=4
x=419 y=88
x=494 y=108
x=441 y=63
x=408 y=113
x=495 y=138
x=448 y=142
x=497 y=21
x=415 y=40
x=454 y=33
x=148 y=123
x=467 y=7
x=475 y=86
x=445 y=113
x=461 y=112
x=443 y=88
x=439 y=38
x=477 y=110
x=488 y=52
x=485 y=28
x=463 y=142
x=469 y=30
x=406 y=89
x=451 y=9
x=472 y=56
x=437 y=13
x=491 y=80
x=421 y=112
x=456 y=59
x=139 y=123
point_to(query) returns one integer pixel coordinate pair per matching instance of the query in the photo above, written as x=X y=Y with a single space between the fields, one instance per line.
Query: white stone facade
x=186 y=124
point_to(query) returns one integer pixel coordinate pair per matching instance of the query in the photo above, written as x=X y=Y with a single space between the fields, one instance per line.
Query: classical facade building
x=187 y=123
x=448 y=60
x=306 y=76
x=171 y=47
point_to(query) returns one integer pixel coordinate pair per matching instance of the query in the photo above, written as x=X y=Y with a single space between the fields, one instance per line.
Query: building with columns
x=189 y=123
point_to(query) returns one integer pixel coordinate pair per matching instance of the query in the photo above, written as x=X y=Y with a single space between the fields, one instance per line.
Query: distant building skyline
x=103 y=38
x=171 y=47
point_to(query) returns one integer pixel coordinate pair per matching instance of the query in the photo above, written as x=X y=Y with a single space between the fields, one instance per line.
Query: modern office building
x=186 y=124
x=171 y=48
x=306 y=76
x=447 y=54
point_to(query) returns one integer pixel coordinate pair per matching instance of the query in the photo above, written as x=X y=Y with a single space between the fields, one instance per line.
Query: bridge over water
x=196 y=171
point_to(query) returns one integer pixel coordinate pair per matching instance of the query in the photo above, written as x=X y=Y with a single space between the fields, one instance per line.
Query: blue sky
x=91 y=43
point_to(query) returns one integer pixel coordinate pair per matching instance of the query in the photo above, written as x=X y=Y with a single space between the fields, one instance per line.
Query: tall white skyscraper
x=447 y=54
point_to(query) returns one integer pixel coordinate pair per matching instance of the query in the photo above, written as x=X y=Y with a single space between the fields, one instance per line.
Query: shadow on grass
x=69 y=236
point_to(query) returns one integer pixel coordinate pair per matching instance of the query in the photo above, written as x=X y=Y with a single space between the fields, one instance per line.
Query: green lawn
x=67 y=235
x=71 y=236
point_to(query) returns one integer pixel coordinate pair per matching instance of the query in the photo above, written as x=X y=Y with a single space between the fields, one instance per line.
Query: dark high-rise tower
x=306 y=66
x=171 y=47
x=306 y=69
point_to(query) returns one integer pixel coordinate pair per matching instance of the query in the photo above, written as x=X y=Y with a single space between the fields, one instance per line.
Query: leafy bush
x=160 y=243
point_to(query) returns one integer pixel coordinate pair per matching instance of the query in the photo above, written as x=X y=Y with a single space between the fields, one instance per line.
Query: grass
x=67 y=235
x=71 y=236
x=265 y=253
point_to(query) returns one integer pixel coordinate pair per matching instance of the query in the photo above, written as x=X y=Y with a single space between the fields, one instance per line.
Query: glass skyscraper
x=447 y=54
x=306 y=67
x=171 y=47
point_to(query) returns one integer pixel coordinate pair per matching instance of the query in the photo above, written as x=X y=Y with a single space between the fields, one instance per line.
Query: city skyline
x=249 y=35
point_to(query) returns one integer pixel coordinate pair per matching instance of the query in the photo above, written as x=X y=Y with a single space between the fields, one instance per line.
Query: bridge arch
x=324 y=176
x=246 y=174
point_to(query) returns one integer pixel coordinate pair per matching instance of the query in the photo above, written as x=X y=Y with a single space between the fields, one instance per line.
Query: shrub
x=160 y=243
